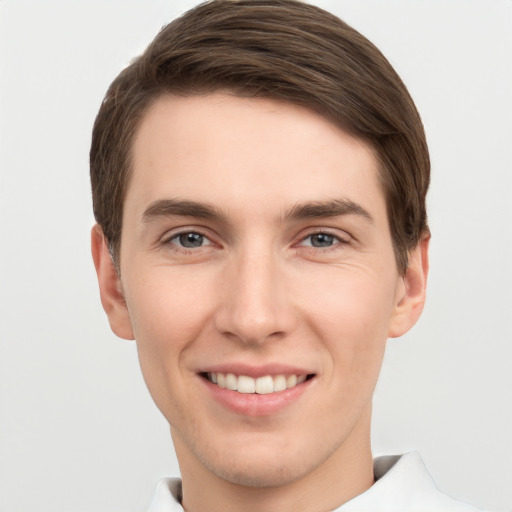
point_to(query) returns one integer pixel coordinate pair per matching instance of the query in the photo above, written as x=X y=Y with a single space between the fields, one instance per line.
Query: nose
x=255 y=304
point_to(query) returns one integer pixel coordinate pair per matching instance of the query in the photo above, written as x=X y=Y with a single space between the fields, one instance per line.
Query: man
x=259 y=178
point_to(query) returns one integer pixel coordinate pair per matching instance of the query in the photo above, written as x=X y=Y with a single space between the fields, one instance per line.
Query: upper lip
x=256 y=371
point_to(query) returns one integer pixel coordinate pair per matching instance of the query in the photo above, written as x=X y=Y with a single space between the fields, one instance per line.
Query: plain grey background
x=78 y=431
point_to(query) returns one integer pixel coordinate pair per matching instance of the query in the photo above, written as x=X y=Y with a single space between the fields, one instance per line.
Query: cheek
x=166 y=307
x=167 y=314
x=167 y=317
x=351 y=314
x=354 y=309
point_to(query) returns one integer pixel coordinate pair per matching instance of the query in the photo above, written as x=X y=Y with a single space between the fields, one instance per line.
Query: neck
x=347 y=473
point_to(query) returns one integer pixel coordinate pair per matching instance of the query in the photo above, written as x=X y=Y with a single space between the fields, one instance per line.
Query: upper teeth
x=261 y=385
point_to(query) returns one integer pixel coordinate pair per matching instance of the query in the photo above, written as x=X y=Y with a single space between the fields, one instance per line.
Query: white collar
x=403 y=484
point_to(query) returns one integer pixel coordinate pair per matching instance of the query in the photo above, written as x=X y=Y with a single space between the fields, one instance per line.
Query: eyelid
x=341 y=237
x=171 y=234
x=206 y=241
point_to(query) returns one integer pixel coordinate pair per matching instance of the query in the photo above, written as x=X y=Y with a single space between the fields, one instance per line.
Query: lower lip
x=253 y=404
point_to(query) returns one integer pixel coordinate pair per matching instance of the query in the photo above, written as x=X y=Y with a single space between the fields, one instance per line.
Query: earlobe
x=411 y=297
x=112 y=298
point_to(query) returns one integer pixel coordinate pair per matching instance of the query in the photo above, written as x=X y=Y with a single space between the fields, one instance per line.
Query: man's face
x=256 y=244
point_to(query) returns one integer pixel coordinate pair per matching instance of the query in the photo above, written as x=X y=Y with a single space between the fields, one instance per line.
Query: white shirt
x=402 y=484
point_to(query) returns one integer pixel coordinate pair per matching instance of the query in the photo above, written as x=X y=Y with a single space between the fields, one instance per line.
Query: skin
x=262 y=286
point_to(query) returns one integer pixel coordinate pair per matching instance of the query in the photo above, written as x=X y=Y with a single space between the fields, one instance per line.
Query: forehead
x=242 y=152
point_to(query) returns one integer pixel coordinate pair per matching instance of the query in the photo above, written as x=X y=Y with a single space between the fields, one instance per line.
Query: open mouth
x=260 y=385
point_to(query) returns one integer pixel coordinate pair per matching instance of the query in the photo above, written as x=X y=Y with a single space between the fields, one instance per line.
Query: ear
x=111 y=292
x=411 y=292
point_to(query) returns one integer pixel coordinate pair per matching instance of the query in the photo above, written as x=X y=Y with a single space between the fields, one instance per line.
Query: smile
x=262 y=385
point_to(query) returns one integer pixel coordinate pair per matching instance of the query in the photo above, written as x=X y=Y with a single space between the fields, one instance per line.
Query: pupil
x=322 y=240
x=191 y=240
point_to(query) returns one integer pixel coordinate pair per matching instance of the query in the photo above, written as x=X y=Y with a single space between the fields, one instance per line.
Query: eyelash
x=176 y=236
x=336 y=242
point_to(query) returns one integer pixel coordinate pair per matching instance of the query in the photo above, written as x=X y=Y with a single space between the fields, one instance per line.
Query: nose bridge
x=254 y=302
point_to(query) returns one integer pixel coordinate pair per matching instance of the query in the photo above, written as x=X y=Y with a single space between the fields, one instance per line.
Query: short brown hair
x=279 y=49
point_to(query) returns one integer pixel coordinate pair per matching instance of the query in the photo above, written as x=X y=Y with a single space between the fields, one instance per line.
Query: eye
x=321 y=240
x=189 y=240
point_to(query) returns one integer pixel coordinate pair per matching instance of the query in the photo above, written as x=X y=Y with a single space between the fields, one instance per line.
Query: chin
x=260 y=465
x=260 y=474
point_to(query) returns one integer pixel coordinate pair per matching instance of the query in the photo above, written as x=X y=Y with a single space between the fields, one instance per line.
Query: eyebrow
x=332 y=208
x=168 y=207
x=301 y=211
